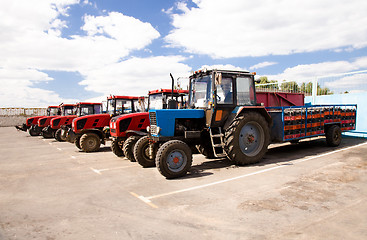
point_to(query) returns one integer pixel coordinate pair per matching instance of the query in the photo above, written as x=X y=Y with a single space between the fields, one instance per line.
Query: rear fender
x=240 y=110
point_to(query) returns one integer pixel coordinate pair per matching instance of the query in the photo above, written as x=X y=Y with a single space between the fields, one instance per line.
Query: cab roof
x=88 y=103
x=124 y=97
x=168 y=91
x=53 y=106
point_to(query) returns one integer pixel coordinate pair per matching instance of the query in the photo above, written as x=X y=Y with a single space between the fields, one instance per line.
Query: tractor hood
x=162 y=121
x=33 y=120
x=57 y=122
x=132 y=122
x=90 y=122
x=45 y=121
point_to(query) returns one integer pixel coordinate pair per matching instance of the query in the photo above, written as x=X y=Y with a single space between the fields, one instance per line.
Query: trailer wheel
x=34 y=131
x=142 y=153
x=90 y=142
x=116 y=149
x=77 y=142
x=128 y=147
x=333 y=136
x=58 y=136
x=247 y=138
x=174 y=159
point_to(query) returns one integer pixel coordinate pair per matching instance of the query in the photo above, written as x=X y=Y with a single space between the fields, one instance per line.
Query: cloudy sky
x=54 y=51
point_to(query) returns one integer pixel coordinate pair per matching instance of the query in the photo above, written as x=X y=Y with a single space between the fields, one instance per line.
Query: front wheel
x=77 y=142
x=174 y=159
x=58 y=135
x=333 y=136
x=142 y=153
x=116 y=148
x=90 y=142
x=247 y=138
x=34 y=131
x=128 y=147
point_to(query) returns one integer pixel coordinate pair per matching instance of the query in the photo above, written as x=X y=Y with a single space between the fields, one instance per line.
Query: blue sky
x=75 y=50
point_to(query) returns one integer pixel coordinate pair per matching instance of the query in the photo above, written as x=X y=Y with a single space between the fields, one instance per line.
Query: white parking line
x=147 y=200
x=99 y=171
x=59 y=149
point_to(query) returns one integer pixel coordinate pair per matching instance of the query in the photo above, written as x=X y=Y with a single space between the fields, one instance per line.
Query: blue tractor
x=222 y=120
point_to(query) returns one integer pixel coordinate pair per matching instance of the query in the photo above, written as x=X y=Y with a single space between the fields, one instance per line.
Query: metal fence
x=23 y=111
x=344 y=83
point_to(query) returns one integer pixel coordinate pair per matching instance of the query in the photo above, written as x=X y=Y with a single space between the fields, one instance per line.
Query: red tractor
x=61 y=125
x=127 y=129
x=32 y=123
x=89 y=132
x=45 y=122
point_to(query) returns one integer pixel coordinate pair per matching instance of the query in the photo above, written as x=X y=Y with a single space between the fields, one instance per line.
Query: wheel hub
x=250 y=138
x=176 y=161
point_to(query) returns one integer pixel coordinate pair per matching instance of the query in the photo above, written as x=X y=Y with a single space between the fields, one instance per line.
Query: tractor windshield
x=139 y=105
x=156 y=101
x=68 y=110
x=89 y=109
x=200 y=89
x=119 y=106
x=53 y=111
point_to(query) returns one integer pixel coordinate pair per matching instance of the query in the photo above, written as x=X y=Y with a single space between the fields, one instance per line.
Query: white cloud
x=243 y=28
x=262 y=65
x=308 y=72
x=17 y=91
x=31 y=42
x=135 y=76
x=222 y=67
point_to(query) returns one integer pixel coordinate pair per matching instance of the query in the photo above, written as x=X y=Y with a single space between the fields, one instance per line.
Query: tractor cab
x=219 y=93
x=86 y=108
x=117 y=105
x=159 y=99
x=53 y=111
x=67 y=109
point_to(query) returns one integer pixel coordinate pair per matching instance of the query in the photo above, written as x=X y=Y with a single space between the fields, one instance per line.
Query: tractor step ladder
x=216 y=137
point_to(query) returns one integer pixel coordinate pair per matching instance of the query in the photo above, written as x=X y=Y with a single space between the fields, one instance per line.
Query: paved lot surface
x=50 y=190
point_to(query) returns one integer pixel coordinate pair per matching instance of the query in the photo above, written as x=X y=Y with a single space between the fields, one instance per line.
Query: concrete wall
x=8 y=121
x=351 y=98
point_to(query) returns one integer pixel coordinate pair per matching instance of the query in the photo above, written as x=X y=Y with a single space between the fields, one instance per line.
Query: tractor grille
x=153 y=123
x=56 y=122
x=152 y=118
x=29 y=121
x=81 y=123
x=43 y=121
x=124 y=124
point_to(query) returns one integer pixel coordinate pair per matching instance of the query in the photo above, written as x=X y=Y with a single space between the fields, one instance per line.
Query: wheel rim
x=251 y=138
x=146 y=152
x=337 y=136
x=176 y=160
x=91 y=143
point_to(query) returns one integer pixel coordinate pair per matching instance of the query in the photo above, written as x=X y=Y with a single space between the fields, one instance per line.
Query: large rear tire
x=174 y=159
x=90 y=142
x=142 y=154
x=128 y=147
x=247 y=138
x=333 y=136
x=116 y=148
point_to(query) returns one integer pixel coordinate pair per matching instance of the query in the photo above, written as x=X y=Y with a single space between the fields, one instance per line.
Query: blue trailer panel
x=298 y=122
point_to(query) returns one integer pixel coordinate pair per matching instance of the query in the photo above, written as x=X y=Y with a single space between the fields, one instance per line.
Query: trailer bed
x=298 y=122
